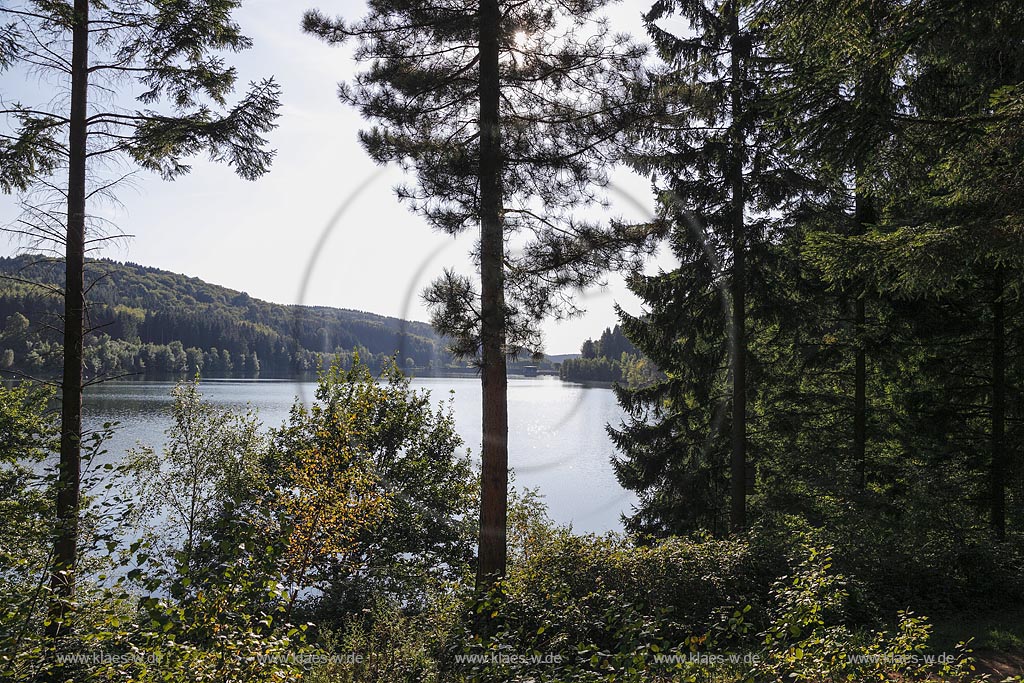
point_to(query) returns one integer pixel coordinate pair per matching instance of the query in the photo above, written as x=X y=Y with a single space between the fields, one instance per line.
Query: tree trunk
x=492 y=552
x=737 y=338
x=998 y=473
x=863 y=216
x=870 y=96
x=65 y=555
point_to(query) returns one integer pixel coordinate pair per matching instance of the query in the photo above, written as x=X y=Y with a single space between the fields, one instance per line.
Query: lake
x=557 y=438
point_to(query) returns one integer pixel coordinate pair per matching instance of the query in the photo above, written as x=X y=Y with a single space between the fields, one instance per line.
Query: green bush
x=916 y=565
x=599 y=608
x=601 y=605
x=387 y=644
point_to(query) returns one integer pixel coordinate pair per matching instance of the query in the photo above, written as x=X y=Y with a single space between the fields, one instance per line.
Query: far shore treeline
x=150 y=322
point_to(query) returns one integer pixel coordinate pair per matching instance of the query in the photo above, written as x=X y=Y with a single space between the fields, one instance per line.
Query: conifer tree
x=967 y=112
x=716 y=176
x=167 y=57
x=950 y=240
x=506 y=115
x=842 y=98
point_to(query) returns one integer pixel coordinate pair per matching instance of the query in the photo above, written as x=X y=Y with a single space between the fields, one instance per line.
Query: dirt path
x=999 y=665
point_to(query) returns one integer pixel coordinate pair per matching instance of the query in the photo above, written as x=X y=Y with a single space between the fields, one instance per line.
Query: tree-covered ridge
x=147 y=320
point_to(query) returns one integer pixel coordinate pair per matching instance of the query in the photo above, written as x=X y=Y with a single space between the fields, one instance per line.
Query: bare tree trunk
x=65 y=555
x=998 y=473
x=738 y=285
x=492 y=551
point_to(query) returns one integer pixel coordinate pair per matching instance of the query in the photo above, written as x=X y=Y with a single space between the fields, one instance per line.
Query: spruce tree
x=842 y=95
x=165 y=55
x=717 y=177
x=950 y=240
x=968 y=111
x=506 y=114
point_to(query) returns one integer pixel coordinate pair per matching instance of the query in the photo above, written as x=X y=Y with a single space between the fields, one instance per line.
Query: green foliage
x=168 y=54
x=902 y=250
x=601 y=609
x=806 y=641
x=639 y=372
x=612 y=358
x=27 y=483
x=385 y=644
x=590 y=370
x=213 y=596
x=408 y=452
x=26 y=430
x=632 y=370
x=160 y=618
x=919 y=564
x=767 y=606
x=718 y=179
x=211 y=464
x=27 y=435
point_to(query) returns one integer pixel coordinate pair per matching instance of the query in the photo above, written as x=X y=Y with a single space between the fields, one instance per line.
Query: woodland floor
x=998 y=640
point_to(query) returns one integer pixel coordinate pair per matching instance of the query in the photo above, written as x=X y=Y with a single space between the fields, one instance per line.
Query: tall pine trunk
x=738 y=341
x=492 y=553
x=65 y=552
x=998 y=418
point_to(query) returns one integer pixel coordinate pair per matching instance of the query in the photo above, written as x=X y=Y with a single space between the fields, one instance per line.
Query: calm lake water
x=557 y=438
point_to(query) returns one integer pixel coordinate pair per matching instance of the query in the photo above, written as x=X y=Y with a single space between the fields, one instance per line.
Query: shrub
x=599 y=608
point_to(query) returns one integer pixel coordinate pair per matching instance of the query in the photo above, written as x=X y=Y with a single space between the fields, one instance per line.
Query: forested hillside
x=147 y=320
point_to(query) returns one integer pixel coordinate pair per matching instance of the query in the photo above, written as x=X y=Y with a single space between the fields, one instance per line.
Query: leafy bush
x=387 y=644
x=598 y=608
x=916 y=564
x=378 y=436
x=806 y=639
x=224 y=622
x=363 y=489
x=210 y=465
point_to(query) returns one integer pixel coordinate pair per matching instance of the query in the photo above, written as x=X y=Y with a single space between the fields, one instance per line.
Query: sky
x=277 y=238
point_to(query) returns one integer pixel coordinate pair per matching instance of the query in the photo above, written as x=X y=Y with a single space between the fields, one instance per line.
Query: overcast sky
x=261 y=237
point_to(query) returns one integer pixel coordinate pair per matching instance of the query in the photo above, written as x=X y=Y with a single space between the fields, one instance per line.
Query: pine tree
x=506 y=114
x=162 y=54
x=970 y=101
